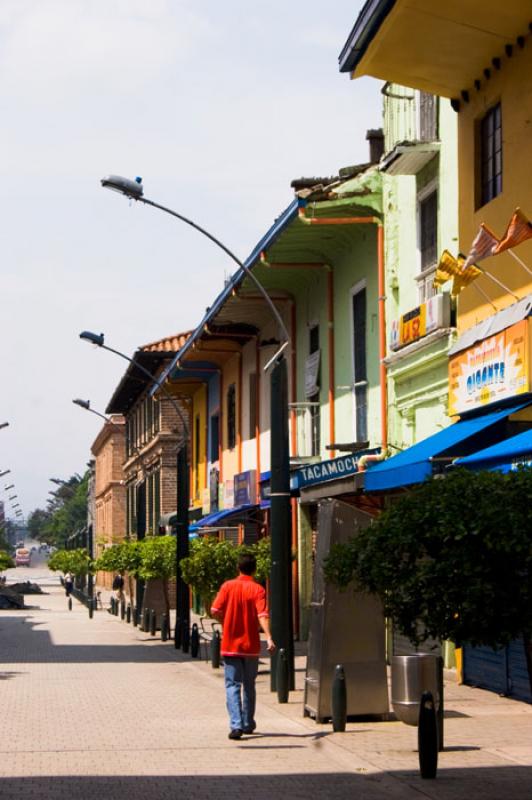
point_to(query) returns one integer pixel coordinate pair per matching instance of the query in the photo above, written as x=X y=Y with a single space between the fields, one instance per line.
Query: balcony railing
x=409 y=116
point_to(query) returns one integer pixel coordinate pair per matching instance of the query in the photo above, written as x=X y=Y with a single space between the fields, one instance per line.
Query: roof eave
x=364 y=31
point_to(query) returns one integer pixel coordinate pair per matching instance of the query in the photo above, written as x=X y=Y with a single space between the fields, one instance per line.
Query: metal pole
x=281 y=569
x=182 y=622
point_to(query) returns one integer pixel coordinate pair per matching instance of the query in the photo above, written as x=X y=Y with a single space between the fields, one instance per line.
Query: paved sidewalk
x=95 y=709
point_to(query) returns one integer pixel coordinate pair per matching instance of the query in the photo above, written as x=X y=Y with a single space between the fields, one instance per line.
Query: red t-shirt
x=240 y=603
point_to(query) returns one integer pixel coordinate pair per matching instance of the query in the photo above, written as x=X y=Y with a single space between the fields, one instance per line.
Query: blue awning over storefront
x=504 y=456
x=212 y=520
x=416 y=464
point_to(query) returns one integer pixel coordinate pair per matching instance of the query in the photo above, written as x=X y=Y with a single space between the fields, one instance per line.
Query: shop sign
x=493 y=369
x=329 y=470
x=420 y=321
x=229 y=495
x=245 y=488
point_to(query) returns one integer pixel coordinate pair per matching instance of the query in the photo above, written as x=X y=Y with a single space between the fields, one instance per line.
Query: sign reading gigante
x=491 y=370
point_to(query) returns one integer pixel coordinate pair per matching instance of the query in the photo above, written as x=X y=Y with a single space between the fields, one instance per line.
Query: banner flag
x=518 y=231
x=484 y=246
x=451 y=267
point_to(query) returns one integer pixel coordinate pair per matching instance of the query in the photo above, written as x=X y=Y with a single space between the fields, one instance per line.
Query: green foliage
x=78 y=562
x=211 y=562
x=123 y=557
x=5 y=561
x=450 y=560
x=66 y=512
x=157 y=557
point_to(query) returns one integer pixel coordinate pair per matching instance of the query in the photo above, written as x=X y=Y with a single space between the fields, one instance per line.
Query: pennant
x=484 y=245
x=519 y=230
x=450 y=267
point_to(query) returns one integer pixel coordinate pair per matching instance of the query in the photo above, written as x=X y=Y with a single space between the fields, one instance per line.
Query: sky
x=218 y=106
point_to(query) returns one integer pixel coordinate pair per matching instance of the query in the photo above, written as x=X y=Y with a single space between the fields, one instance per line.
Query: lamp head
x=11 y=486
x=5 y=472
x=124 y=186
x=4 y=424
x=94 y=338
x=86 y=404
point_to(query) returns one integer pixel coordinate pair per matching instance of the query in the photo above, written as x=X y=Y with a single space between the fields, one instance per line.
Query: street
x=96 y=708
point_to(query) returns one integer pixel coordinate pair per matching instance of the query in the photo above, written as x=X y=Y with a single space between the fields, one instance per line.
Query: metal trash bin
x=411 y=676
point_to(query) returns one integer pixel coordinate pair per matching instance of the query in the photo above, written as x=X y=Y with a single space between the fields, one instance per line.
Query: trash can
x=411 y=676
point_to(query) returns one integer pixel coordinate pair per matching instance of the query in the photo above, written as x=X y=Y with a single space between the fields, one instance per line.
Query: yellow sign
x=413 y=325
x=494 y=369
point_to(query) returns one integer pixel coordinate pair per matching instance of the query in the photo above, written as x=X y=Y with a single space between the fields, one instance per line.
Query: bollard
x=90 y=606
x=164 y=627
x=215 y=650
x=153 y=622
x=339 y=699
x=112 y=605
x=194 y=641
x=427 y=737
x=145 y=626
x=128 y=613
x=117 y=607
x=283 y=677
x=135 y=616
x=70 y=604
x=122 y=610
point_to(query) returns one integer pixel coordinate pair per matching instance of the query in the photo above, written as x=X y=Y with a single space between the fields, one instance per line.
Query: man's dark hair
x=247 y=563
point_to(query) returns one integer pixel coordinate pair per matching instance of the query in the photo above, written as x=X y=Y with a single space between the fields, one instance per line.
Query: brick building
x=109 y=520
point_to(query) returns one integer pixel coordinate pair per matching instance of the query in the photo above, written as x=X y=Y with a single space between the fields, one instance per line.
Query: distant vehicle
x=22 y=557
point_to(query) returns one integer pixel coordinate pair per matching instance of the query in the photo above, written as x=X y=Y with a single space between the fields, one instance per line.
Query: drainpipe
x=239 y=417
x=293 y=501
x=381 y=301
x=257 y=415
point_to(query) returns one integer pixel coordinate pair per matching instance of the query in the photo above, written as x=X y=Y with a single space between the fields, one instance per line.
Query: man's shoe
x=235 y=734
x=249 y=730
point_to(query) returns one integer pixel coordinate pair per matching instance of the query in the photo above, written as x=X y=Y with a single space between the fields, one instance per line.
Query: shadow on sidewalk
x=488 y=783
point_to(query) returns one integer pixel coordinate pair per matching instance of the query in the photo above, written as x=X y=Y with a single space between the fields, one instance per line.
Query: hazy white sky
x=218 y=106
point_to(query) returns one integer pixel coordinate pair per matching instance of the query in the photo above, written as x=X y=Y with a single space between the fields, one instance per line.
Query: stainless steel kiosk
x=345 y=628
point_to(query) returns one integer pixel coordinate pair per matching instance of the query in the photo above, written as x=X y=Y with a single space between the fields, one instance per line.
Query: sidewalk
x=96 y=709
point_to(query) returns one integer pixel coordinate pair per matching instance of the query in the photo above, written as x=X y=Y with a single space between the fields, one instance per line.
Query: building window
x=231 y=417
x=252 y=404
x=428 y=230
x=197 y=457
x=215 y=438
x=490 y=132
x=360 y=373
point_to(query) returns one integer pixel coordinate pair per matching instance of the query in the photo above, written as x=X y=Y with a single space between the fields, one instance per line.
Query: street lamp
x=13 y=497
x=5 y=472
x=86 y=405
x=281 y=573
x=11 y=486
x=182 y=625
x=4 y=424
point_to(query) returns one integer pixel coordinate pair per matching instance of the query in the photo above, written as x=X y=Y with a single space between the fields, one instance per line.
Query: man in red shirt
x=241 y=606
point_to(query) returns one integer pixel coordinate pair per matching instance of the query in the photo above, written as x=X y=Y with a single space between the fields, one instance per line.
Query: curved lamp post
x=5 y=472
x=281 y=572
x=4 y=424
x=182 y=625
x=11 y=486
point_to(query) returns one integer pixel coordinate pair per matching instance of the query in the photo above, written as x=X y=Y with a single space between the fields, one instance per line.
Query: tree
x=451 y=560
x=6 y=562
x=212 y=562
x=124 y=558
x=78 y=562
x=65 y=514
x=157 y=560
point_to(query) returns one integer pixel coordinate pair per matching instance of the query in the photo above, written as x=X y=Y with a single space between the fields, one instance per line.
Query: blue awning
x=212 y=520
x=504 y=456
x=416 y=464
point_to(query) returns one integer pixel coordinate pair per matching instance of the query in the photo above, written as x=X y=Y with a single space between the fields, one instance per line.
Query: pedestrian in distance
x=241 y=607
x=118 y=588
x=69 y=583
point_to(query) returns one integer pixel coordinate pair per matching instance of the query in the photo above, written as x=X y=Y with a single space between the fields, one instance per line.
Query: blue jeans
x=240 y=675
